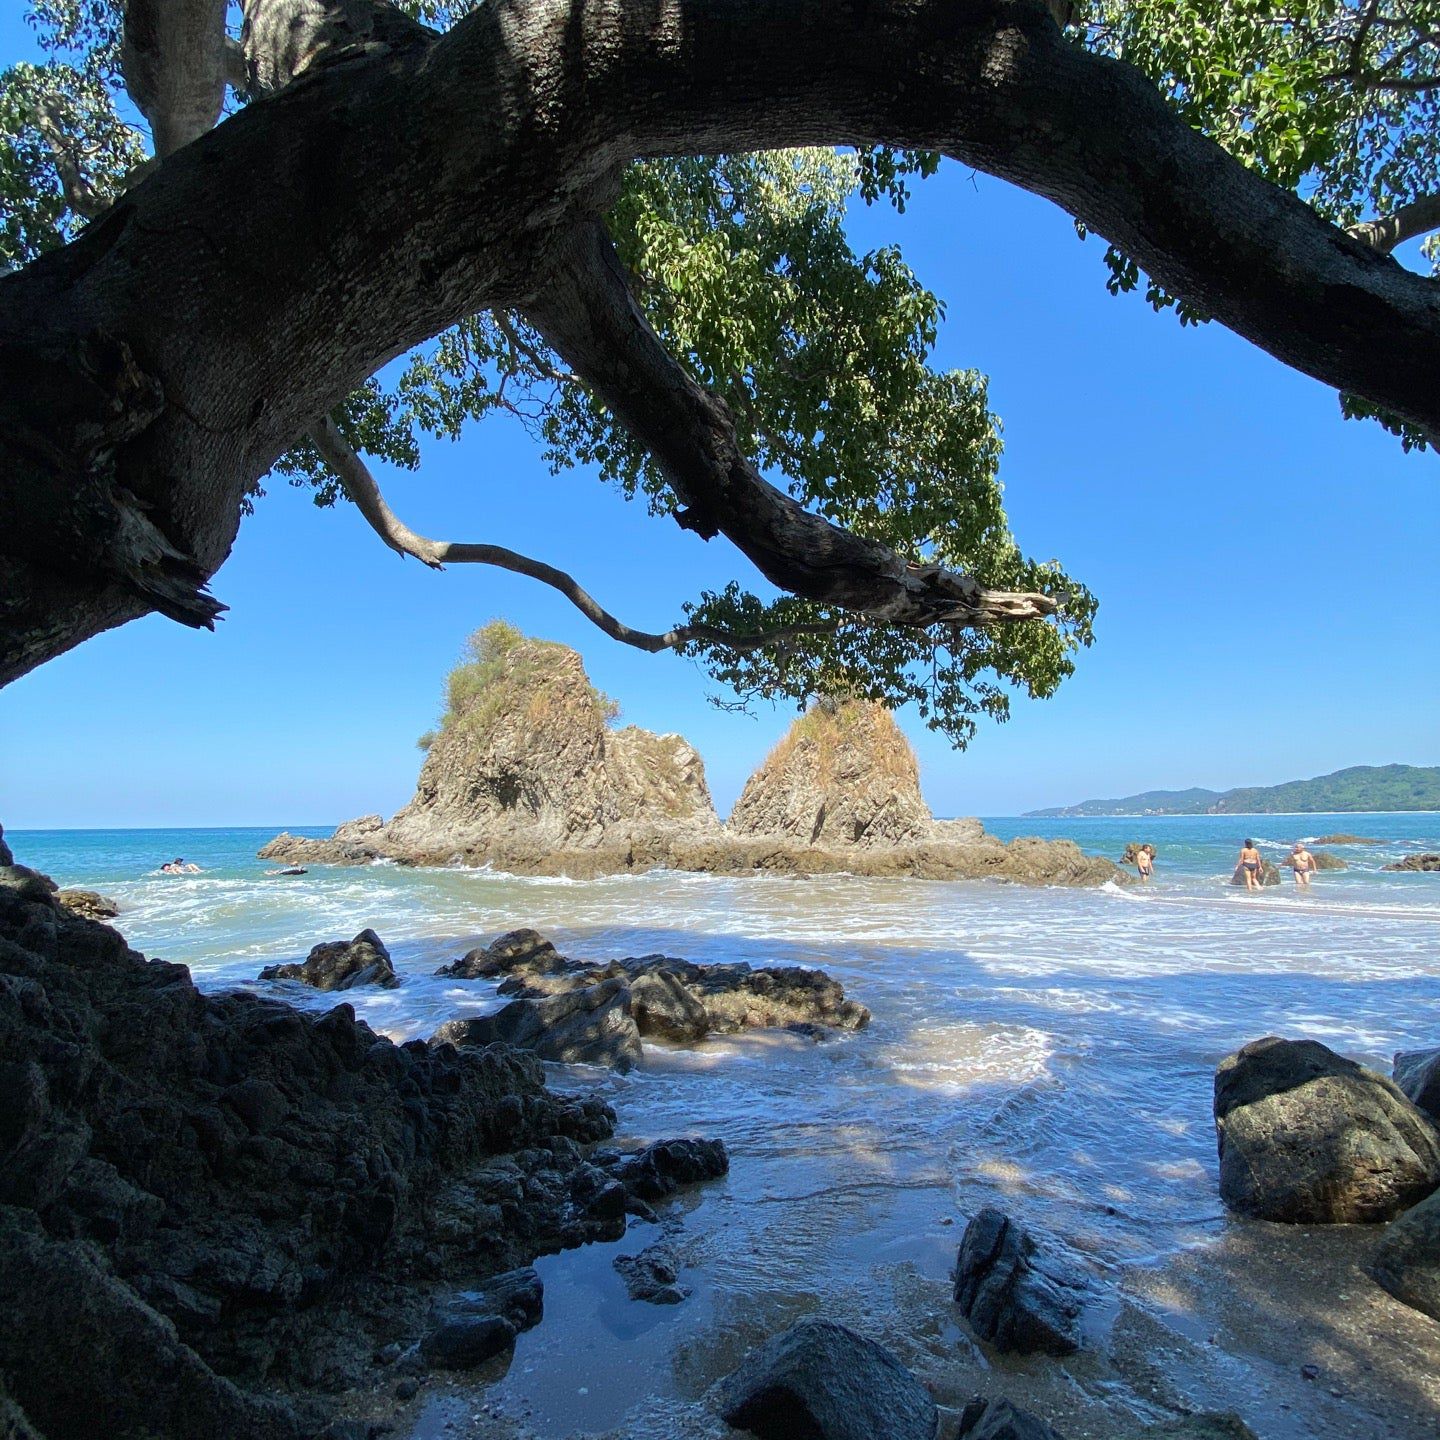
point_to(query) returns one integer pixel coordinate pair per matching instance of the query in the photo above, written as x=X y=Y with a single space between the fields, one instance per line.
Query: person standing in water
x=1250 y=864
x=1302 y=862
x=1145 y=863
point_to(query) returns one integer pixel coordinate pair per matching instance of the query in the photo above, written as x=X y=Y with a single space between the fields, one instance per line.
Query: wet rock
x=341 y=965
x=660 y=1169
x=198 y=1192
x=461 y=1342
x=586 y=1027
x=516 y=949
x=1000 y=1420
x=6 y=858
x=1342 y=838
x=1269 y=873
x=664 y=1009
x=407 y=1389
x=1012 y=1296
x=1407 y=1260
x=652 y=1275
x=88 y=904
x=1417 y=1073
x=1307 y=1136
x=1427 y=862
x=822 y=1381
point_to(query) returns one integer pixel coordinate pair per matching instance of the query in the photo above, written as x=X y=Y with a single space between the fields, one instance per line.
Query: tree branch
x=587 y=313
x=1385 y=233
x=174 y=57
x=361 y=486
x=80 y=195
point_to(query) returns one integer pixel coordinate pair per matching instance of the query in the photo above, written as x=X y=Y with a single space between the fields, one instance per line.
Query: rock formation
x=1406 y=1262
x=1417 y=1073
x=1427 y=862
x=1307 y=1136
x=823 y=1380
x=843 y=776
x=341 y=965
x=575 y=1011
x=1011 y=1294
x=201 y=1192
x=525 y=774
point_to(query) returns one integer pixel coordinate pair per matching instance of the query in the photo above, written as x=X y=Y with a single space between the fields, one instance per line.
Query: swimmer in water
x=1250 y=865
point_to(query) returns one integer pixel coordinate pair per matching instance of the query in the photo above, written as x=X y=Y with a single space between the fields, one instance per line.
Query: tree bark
x=264 y=270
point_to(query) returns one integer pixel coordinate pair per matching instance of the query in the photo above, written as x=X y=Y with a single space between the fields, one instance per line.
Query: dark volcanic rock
x=475 y=1325
x=1407 y=1260
x=821 y=1381
x=587 y=1027
x=341 y=965
x=1417 y=862
x=662 y=1168
x=1011 y=1295
x=1000 y=1420
x=652 y=1275
x=1307 y=1136
x=1417 y=1073
x=198 y=1192
x=665 y=1009
x=516 y=948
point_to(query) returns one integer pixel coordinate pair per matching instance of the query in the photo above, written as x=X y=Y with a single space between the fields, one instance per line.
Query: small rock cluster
x=574 y=1011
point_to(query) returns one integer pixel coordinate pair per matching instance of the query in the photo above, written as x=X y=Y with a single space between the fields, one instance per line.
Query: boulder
x=592 y=1026
x=341 y=965
x=1323 y=861
x=516 y=949
x=1012 y=1296
x=1406 y=1262
x=1269 y=874
x=1309 y=1137
x=88 y=904
x=472 y=1327
x=1417 y=1073
x=652 y=1275
x=821 y=1381
x=1341 y=838
x=660 y=1169
x=1427 y=862
x=664 y=1009
x=985 y=1419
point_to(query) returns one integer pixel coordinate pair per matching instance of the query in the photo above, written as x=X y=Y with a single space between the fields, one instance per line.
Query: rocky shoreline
x=526 y=775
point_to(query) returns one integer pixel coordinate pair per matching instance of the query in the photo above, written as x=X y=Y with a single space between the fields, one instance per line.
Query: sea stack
x=525 y=772
x=844 y=775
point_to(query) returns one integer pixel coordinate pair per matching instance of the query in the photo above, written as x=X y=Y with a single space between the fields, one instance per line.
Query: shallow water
x=1052 y=1049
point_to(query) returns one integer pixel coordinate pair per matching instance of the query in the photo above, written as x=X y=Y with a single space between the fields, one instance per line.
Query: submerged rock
x=198 y=1192
x=1406 y=1262
x=1341 y=838
x=1000 y=1420
x=1307 y=1136
x=474 y=1326
x=822 y=1381
x=592 y=1026
x=655 y=996
x=1011 y=1295
x=88 y=904
x=660 y=1169
x=1427 y=862
x=341 y=965
x=1417 y=1073
x=652 y=1275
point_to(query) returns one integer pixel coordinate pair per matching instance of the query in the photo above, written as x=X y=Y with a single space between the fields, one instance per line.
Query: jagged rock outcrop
x=581 y=1012
x=341 y=965
x=1013 y=1295
x=525 y=774
x=1309 y=1137
x=199 y=1192
x=844 y=776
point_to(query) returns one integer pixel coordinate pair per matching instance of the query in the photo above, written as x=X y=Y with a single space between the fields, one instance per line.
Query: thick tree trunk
x=154 y=368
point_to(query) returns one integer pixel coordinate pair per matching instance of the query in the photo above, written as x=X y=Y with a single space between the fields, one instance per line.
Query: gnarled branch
x=362 y=487
x=587 y=313
x=1419 y=217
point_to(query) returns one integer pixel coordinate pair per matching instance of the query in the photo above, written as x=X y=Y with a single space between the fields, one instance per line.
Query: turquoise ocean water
x=1050 y=1050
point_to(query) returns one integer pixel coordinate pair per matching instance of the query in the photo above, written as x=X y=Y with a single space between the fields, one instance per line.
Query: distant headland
x=1358 y=788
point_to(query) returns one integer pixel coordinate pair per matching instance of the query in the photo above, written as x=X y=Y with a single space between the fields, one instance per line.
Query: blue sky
x=1265 y=573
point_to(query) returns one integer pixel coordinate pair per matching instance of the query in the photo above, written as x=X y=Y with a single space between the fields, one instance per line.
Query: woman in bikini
x=1250 y=865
